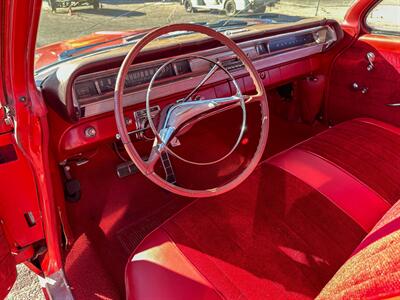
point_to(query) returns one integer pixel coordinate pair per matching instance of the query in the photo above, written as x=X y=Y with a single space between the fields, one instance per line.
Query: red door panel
x=20 y=218
x=8 y=271
x=376 y=88
x=19 y=207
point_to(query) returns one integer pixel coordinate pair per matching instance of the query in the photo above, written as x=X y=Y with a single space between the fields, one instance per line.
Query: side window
x=385 y=18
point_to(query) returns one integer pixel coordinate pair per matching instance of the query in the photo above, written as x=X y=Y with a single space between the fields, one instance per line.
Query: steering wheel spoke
x=180 y=113
x=151 y=162
x=210 y=73
x=156 y=155
x=253 y=98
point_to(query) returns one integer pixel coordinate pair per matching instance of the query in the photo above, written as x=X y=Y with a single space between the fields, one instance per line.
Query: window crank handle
x=357 y=87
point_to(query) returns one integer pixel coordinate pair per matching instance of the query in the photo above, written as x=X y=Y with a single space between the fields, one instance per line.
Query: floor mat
x=133 y=234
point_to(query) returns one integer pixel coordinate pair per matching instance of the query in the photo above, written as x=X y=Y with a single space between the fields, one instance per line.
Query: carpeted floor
x=115 y=214
x=108 y=222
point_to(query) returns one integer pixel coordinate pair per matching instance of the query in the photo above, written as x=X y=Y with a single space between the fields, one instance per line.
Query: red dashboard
x=80 y=93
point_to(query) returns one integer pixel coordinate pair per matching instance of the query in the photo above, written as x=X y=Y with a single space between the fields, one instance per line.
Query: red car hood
x=51 y=53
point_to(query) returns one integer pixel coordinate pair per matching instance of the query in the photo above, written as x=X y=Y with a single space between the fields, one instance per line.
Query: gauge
x=292 y=41
x=141 y=76
x=85 y=89
x=106 y=84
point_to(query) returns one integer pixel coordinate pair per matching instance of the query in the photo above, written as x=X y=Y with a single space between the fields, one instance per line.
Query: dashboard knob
x=90 y=132
x=128 y=121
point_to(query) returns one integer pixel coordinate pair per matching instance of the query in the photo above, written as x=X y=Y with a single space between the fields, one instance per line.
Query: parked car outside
x=54 y=4
x=230 y=7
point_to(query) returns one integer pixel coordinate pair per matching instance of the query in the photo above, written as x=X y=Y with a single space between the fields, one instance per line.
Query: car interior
x=282 y=184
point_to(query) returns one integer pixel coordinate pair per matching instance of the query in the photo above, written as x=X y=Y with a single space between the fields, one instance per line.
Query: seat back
x=373 y=270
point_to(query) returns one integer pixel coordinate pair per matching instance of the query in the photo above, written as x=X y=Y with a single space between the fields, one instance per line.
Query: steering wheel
x=174 y=117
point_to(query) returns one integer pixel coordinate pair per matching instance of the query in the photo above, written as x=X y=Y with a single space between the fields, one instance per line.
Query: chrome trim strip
x=199 y=68
x=57 y=286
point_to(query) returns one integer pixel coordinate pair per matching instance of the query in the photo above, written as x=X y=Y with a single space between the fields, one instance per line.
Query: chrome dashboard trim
x=189 y=81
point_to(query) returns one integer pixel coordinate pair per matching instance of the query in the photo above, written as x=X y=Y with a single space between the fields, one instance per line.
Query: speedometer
x=141 y=76
x=106 y=84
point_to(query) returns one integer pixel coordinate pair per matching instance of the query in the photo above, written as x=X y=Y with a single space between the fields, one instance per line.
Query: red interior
x=307 y=223
x=302 y=232
x=345 y=103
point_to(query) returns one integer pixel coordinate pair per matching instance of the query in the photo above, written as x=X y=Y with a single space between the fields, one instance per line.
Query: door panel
x=8 y=271
x=20 y=219
x=376 y=88
x=19 y=207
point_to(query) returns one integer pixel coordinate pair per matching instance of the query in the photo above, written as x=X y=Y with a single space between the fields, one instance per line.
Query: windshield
x=71 y=28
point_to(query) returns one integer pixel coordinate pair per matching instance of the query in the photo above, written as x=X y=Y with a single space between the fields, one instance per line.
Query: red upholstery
x=365 y=148
x=265 y=239
x=366 y=207
x=165 y=264
x=383 y=83
x=373 y=271
x=280 y=234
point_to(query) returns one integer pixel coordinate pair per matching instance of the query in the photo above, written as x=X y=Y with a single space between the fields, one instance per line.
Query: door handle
x=397 y=104
x=371 y=59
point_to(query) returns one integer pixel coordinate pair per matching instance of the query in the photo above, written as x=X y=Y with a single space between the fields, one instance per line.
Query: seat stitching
x=191 y=263
x=351 y=175
x=392 y=129
x=351 y=131
x=155 y=229
x=216 y=266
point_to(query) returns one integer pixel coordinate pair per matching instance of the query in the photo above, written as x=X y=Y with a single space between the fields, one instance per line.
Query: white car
x=231 y=7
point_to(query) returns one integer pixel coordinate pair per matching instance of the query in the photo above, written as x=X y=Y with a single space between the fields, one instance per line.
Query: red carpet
x=114 y=214
x=110 y=209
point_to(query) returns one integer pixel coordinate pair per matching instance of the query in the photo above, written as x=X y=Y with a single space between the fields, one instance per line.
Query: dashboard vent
x=232 y=64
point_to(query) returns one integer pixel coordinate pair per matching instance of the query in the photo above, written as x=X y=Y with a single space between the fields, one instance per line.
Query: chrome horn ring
x=148 y=166
x=162 y=137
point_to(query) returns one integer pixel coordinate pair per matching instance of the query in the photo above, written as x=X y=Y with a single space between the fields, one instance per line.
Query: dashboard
x=93 y=92
x=81 y=92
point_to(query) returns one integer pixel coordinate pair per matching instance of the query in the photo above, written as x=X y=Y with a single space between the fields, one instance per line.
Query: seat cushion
x=273 y=236
x=285 y=231
x=373 y=270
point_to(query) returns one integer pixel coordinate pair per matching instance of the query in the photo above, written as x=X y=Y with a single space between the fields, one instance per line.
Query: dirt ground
x=26 y=287
x=122 y=15
x=125 y=14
